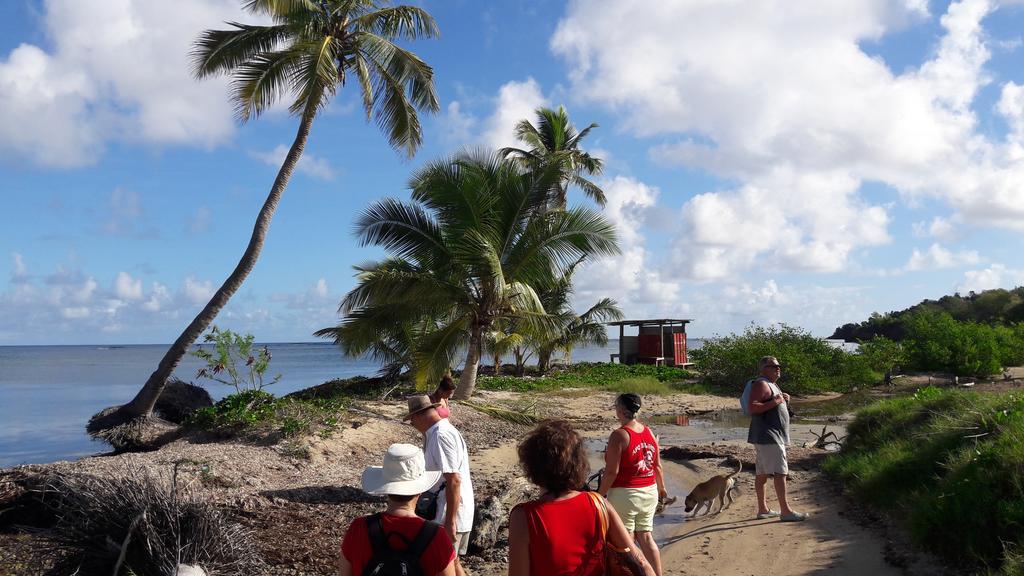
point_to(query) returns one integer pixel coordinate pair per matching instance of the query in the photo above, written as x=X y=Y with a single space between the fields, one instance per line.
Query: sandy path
x=734 y=543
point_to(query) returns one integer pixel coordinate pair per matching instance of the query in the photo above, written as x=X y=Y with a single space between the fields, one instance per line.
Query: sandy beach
x=299 y=506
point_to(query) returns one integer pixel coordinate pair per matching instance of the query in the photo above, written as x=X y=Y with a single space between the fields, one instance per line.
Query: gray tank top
x=771 y=427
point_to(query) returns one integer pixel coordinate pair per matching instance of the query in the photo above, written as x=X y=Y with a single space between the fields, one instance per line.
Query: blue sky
x=787 y=161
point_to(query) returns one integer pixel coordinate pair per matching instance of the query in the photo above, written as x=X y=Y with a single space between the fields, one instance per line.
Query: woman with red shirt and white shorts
x=633 y=479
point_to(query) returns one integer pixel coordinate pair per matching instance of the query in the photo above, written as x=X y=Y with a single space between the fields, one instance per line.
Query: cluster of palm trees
x=485 y=245
x=481 y=259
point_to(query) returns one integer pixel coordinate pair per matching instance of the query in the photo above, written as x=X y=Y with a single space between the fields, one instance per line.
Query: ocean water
x=48 y=393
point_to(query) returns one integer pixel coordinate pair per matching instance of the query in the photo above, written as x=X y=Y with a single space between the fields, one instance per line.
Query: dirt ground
x=298 y=496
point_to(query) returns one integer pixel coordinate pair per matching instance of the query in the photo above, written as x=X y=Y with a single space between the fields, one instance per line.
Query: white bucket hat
x=404 y=473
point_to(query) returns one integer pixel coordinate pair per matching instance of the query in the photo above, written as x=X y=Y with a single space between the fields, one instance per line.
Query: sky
x=791 y=161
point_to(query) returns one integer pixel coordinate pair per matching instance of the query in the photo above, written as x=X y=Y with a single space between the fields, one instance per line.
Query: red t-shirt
x=564 y=535
x=636 y=467
x=357 y=548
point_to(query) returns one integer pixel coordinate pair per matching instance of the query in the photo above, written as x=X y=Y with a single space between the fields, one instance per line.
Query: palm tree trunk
x=143 y=403
x=543 y=361
x=467 y=381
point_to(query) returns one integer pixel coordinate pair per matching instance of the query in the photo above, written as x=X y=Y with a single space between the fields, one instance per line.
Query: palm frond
x=436 y=351
x=406 y=230
x=221 y=51
x=279 y=8
x=261 y=80
x=316 y=77
x=402 y=83
x=407 y=22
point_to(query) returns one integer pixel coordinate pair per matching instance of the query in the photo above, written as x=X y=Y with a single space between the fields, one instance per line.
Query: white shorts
x=461 y=543
x=635 y=506
x=771 y=459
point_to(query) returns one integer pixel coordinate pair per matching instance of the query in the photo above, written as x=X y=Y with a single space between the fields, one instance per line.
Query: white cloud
x=159 y=298
x=310 y=165
x=320 y=289
x=127 y=288
x=118 y=70
x=199 y=222
x=516 y=101
x=631 y=277
x=458 y=126
x=20 y=272
x=781 y=98
x=71 y=306
x=126 y=216
x=947 y=229
x=938 y=257
x=197 y=291
x=995 y=276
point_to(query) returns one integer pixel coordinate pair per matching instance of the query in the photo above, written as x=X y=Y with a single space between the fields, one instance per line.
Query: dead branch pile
x=139 y=524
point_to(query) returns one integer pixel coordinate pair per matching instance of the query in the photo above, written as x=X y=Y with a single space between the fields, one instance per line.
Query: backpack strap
x=423 y=538
x=376 y=532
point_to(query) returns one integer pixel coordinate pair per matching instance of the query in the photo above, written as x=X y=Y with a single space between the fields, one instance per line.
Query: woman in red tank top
x=633 y=479
x=559 y=534
x=445 y=389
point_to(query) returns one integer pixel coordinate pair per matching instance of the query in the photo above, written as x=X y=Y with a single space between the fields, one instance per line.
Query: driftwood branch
x=824 y=439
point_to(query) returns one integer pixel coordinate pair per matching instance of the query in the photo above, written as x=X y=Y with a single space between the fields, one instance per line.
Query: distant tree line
x=977 y=334
x=993 y=307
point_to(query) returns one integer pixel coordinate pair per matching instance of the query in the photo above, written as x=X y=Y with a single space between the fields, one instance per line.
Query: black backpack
x=388 y=562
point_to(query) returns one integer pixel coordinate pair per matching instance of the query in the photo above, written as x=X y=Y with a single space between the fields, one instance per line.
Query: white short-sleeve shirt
x=445 y=450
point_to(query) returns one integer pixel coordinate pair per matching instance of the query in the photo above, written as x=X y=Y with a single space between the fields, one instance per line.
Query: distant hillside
x=989 y=307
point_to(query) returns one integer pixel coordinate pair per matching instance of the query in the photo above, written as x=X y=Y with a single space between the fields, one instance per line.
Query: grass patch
x=524 y=413
x=951 y=464
x=603 y=376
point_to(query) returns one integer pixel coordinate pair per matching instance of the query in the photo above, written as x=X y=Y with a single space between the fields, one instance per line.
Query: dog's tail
x=739 y=468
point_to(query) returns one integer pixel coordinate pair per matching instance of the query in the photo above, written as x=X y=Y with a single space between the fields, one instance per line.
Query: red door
x=679 y=348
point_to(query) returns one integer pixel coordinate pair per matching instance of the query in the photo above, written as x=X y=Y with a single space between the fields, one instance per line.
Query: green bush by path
x=656 y=379
x=256 y=411
x=952 y=465
x=809 y=364
x=936 y=341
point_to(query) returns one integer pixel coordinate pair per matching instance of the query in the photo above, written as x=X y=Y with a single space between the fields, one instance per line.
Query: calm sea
x=48 y=393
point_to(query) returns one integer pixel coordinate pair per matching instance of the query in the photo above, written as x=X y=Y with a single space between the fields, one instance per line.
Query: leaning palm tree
x=467 y=253
x=554 y=141
x=311 y=49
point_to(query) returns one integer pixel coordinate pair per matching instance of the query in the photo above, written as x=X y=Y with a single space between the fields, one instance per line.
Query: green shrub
x=951 y=464
x=809 y=364
x=230 y=350
x=256 y=410
x=243 y=410
x=936 y=341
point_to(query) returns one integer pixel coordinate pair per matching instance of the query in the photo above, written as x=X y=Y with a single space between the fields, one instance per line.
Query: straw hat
x=404 y=473
x=419 y=403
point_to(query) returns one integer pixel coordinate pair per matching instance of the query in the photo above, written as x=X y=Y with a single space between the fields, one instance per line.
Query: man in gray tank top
x=769 y=433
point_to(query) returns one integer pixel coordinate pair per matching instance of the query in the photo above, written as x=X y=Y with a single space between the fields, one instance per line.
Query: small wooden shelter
x=660 y=341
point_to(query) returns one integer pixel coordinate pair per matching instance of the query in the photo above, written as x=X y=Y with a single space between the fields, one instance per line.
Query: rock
x=179 y=399
x=488 y=521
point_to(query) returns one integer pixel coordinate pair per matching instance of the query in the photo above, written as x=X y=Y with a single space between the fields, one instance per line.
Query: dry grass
x=144 y=524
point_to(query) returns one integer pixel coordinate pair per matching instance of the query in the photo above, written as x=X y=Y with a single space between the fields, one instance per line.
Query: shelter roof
x=650 y=322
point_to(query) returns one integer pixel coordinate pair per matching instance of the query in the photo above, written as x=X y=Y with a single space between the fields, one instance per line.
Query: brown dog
x=704 y=494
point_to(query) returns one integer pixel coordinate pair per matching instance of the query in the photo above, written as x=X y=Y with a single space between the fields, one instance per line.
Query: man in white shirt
x=445 y=450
